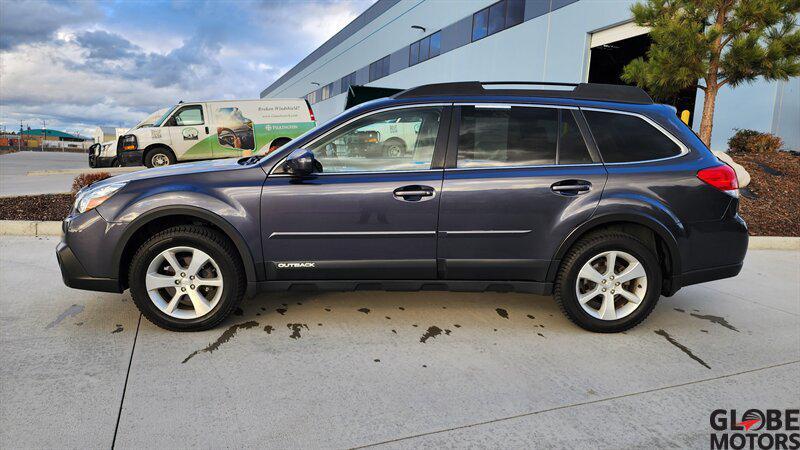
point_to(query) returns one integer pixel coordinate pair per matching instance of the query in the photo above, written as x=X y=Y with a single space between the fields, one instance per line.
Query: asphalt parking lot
x=431 y=369
x=30 y=173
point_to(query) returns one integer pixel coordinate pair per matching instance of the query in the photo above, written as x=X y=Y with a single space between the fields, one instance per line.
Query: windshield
x=164 y=116
x=149 y=120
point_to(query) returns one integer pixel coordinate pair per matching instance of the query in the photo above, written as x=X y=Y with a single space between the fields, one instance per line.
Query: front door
x=188 y=132
x=372 y=211
x=520 y=179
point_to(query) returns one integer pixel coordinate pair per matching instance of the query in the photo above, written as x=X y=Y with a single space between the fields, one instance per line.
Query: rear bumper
x=131 y=158
x=75 y=276
x=709 y=274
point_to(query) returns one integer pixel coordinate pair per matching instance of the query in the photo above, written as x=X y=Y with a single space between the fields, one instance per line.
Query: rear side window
x=519 y=136
x=626 y=138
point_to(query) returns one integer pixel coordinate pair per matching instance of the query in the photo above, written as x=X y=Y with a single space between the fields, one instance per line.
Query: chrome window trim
x=367 y=114
x=684 y=149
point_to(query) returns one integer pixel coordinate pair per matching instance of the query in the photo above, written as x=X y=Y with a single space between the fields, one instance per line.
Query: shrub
x=85 y=179
x=751 y=141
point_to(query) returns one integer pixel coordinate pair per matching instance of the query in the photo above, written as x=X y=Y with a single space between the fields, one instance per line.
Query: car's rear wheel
x=608 y=282
x=159 y=157
x=187 y=278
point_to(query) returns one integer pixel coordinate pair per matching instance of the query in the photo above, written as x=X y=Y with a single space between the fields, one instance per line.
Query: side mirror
x=301 y=162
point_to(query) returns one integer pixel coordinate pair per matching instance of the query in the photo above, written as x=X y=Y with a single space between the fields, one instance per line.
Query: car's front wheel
x=608 y=282
x=187 y=278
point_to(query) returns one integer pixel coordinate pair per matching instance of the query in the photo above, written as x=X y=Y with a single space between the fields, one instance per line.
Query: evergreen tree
x=715 y=43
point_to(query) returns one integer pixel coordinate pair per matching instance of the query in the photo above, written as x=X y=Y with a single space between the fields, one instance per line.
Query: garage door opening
x=614 y=48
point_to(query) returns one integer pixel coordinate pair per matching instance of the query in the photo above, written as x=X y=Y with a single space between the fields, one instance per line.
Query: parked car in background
x=594 y=195
x=216 y=129
x=105 y=154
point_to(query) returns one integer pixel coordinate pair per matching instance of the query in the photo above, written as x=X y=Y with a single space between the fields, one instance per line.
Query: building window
x=515 y=12
x=379 y=69
x=425 y=48
x=479 y=22
x=312 y=97
x=347 y=81
x=326 y=91
x=497 y=17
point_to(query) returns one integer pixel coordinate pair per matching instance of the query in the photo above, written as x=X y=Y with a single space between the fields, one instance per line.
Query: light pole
x=44 y=132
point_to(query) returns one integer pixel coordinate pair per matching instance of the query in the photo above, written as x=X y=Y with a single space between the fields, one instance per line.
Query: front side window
x=402 y=139
x=188 y=115
x=627 y=138
x=507 y=136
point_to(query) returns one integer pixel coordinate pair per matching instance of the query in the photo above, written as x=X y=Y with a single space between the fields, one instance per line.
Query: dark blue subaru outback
x=593 y=194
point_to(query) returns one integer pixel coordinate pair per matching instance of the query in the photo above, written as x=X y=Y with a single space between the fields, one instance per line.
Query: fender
x=192 y=211
x=639 y=217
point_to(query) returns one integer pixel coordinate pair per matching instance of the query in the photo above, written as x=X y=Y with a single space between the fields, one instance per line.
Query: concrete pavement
x=425 y=369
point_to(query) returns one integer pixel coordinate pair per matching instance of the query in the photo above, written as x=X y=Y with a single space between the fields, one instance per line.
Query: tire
x=159 y=157
x=224 y=264
x=394 y=148
x=596 y=250
x=116 y=163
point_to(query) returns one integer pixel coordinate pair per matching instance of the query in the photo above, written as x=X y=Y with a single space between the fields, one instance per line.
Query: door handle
x=206 y=130
x=571 y=187
x=413 y=193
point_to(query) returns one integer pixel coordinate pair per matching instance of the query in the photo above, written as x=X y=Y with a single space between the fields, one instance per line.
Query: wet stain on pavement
x=299 y=303
x=704 y=331
x=296 y=327
x=394 y=331
x=682 y=347
x=424 y=365
x=79 y=324
x=447 y=332
x=531 y=317
x=388 y=318
x=364 y=310
x=679 y=310
x=502 y=313
x=540 y=334
x=281 y=311
x=415 y=325
x=238 y=312
x=432 y=332
x=328 y=309
x=118 y=329
x=376 y=360
x=226 y=336
x=457 y=325
x=401 y=308
x=269 y=329
x=263 y=309
x=72 y=311
x=715 y=319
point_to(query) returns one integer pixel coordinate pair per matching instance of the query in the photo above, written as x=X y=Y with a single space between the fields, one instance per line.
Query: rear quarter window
x=626 y=138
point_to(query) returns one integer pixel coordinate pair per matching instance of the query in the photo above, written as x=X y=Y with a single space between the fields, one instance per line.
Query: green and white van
x=216 y=129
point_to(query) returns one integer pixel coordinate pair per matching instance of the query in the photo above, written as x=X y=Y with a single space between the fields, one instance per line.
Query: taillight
x=721 y=177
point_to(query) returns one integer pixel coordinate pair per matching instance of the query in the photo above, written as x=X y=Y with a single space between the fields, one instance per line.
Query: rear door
x=517 y=180
x=188 y=132
x=370 y=213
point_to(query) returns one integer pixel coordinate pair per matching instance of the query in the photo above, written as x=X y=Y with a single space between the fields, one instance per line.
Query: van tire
x=159 y=156
x=209 y=241
x=588 y=248
x=394 y=147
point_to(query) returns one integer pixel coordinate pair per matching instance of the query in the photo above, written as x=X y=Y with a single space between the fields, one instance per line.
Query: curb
x=34 y=228
x=111 y=170
x=29 y=228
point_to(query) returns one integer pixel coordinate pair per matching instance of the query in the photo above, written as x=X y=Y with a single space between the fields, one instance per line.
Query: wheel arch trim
x=192 y=211
x=645 y=220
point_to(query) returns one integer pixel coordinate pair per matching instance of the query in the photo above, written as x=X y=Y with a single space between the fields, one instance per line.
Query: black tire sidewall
x=619 y=243
x=226 y=265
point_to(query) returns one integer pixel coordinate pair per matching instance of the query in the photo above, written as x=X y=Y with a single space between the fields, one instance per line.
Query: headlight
x=92 y=197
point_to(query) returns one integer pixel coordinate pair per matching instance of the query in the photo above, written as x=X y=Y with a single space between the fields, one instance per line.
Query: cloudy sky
x=78 y=64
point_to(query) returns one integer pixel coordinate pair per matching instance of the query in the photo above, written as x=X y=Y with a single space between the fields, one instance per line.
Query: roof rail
x=580 y=91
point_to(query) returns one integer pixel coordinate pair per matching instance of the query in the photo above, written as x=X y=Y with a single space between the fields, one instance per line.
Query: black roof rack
x=581 y=91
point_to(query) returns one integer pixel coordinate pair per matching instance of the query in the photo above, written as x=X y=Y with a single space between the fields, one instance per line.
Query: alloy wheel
x=611 y=285
x=184 y=282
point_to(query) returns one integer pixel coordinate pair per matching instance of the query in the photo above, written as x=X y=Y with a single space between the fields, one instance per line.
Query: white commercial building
x=405 y=43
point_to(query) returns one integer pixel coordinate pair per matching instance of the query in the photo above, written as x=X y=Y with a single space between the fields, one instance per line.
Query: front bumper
x=131 y=158
x=84 y=253
x=100 y=161
x=75 y=276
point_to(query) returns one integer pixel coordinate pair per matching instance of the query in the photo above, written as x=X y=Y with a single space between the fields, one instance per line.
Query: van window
x=188 y=115
x=503 y=137
x=389 y=141
x=626 y=138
